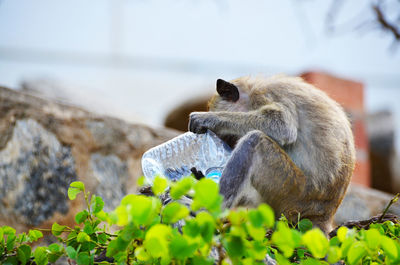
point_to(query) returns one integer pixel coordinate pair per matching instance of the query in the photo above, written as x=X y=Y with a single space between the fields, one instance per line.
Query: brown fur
x=294 y=147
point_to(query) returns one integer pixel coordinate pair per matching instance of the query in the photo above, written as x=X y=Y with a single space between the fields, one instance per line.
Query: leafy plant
x=144 y=231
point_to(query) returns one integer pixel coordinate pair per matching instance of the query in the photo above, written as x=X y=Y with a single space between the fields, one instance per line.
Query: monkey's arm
x=274 y=120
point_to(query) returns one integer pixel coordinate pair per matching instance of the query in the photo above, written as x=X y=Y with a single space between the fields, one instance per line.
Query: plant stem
x=395 y=198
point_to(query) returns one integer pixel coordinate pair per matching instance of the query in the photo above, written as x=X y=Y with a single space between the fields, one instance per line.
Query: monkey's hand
x=199 y=122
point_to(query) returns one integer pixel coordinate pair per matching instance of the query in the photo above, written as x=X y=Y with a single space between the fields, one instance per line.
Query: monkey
x=293 y=146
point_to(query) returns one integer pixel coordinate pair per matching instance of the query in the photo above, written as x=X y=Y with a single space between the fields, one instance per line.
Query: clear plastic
x=174 y=158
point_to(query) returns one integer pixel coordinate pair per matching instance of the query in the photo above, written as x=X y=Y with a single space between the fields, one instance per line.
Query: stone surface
x=45 y=145
x=361 y=203
x=32 y=163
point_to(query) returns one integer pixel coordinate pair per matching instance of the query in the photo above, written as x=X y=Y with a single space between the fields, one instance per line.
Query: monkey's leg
x=261 y=171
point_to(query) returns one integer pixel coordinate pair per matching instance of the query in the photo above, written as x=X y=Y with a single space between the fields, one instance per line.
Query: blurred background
x=145 y=60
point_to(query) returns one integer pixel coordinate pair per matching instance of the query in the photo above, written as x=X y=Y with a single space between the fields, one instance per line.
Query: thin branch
x=385 y=23
x=393 y=200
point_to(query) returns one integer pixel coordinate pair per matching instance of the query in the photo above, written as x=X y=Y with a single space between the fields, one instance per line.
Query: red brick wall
x=350 y=94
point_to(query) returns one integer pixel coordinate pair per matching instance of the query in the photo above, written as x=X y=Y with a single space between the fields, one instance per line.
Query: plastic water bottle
x=174 y=158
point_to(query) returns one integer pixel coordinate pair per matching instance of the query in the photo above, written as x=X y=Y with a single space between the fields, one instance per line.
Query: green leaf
x=282 y=260
x=373 y=238
x=72 y=193
x=300 y=253
x=82 y=237
x=102 y=238
x=144 y=209
x=53 y=257
x=305 y=225
x=155 y=242
x=389 y=225
x=286 y=239
x=207 y=226
x=268 y=215
x=234 y=218
x=81 y=217
x=74 y=189
x=34 y=235
x=56 y=251
x=130 y=232
x=57 y=229
x=316 y=242
x=141 y=181
x=40 y=256
x=112 y=248
x=71 y=252
x=311 y=261
x=199 y=260
x=347 y=243
x=341 y=233
x=55 y=248
x=180 y=247
x=97 y=204
x=389 y=246
x=10 y=242
x=103 y=216
x=191 y=228
x=22 y=238
x=24 y=253
x=10 y=261
x=356 y=252
x=7 y=230
x=88 y=229
x=160 y=184
x=334 y=254
x=334 y=241
x=155 y=247
x=139 y=209
x=121 y=215
x=207 y=195
x=258 y=233
x=83 y=258
x=173 y=212
x=182 y=187
x=259 y=250
x=255 y=217
x=141 y=254
x=235 y=247
x=77 y=185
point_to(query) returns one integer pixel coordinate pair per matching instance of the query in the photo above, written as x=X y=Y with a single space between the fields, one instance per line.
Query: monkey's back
x=324 y=148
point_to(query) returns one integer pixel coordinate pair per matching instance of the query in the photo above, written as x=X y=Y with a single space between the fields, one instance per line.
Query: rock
x=45 y=145
x=361 y=203
x=178 y=118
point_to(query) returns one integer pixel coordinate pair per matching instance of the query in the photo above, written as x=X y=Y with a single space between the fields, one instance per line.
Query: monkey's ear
x=227 y=91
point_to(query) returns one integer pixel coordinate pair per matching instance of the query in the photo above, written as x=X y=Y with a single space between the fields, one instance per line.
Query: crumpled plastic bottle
x=174 y=158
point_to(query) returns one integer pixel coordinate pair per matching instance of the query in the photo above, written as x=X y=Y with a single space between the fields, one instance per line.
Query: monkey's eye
x=227 y=91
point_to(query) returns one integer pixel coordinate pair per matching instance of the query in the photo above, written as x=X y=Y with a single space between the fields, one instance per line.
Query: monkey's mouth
x=230 y=140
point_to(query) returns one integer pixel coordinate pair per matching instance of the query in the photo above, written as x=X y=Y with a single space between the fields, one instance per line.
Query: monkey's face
x=230 y=97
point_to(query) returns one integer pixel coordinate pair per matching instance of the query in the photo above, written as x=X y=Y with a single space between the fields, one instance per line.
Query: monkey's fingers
x=197 y=124
x=197 y=173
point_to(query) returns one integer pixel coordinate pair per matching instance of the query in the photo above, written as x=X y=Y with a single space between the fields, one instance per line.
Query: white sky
x=139 y=58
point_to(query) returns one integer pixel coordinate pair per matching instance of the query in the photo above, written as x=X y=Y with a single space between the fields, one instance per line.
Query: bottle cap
x=214 y=173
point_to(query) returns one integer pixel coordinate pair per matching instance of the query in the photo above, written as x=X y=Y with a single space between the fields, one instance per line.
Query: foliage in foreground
x=145 y=232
